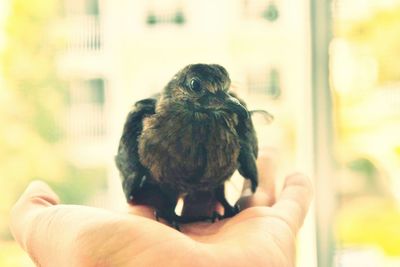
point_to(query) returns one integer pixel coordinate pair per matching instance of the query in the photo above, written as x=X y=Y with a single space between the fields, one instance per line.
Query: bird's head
x=204 y=88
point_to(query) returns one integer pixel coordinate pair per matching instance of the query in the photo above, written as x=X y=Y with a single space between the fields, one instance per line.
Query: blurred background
x=329 y=72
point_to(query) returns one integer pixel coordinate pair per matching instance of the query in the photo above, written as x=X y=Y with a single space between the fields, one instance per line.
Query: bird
x=186 y=142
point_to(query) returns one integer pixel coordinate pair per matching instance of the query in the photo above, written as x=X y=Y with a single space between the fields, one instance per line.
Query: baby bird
x=185 y=143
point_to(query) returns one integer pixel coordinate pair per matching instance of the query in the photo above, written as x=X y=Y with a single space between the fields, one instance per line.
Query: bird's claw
x=156 y=215
x=171 y=221
x=232 y=211
x=175 y=224
x=216 y=217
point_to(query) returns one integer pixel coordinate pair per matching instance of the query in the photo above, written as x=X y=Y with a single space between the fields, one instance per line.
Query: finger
x=37 y=195
x=294 y=200
x=265 y=194
x=72 y=235
x=39 y=190
x=51 y=234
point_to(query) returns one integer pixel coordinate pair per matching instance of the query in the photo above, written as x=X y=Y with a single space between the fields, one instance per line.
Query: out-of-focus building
x=84 y=67
x=120 y=51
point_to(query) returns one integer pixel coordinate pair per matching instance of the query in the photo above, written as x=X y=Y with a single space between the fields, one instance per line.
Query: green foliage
x=381 y=35
x=30 y=67
x=369 y=126
x=79 y=184
x=370 y=221
x=31 y=111
x=28 y=131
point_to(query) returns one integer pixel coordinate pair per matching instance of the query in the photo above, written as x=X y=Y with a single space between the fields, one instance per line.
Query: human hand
x=263 y=234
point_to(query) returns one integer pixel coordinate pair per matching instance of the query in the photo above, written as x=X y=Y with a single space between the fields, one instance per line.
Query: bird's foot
x=228 y=213
x=176 y=225
x=216 y=217
x=231 y=211
x=172 y=219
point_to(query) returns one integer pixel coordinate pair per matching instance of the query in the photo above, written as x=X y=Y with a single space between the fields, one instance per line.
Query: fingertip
x=37 y=195
x=294 y=200
x=37 y=185
x=301 y=180
x=38 y=189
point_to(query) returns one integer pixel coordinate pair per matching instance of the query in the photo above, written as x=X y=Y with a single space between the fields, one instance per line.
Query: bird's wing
x=248 y=148
x=137 y=182
x=133 y=173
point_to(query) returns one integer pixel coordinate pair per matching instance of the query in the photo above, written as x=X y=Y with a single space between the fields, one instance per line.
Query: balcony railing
x=83 y=33
x=85 y=122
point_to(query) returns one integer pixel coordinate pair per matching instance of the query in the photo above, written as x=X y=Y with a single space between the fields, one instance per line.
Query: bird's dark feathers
x=186 y=142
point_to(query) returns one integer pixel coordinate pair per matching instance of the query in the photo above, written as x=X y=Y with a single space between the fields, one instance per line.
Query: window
x=82 y=25
x=165 y=12
x=86 y=109
x=96 y=91
x=265 y=81
x=92 y=7
x=79 y=8
x=266 y=10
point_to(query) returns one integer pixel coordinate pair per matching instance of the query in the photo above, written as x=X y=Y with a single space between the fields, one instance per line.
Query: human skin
x=262 y=234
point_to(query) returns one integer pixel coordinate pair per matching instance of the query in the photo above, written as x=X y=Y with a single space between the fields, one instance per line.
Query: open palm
x=262 y=234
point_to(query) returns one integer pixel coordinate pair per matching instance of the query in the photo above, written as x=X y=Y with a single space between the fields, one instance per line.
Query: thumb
x=37 y=196
x=294 y=201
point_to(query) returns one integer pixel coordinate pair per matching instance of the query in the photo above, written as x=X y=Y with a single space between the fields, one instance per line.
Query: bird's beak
x=234 y=105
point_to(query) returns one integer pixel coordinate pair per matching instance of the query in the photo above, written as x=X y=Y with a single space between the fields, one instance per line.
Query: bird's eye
x=195 y=85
